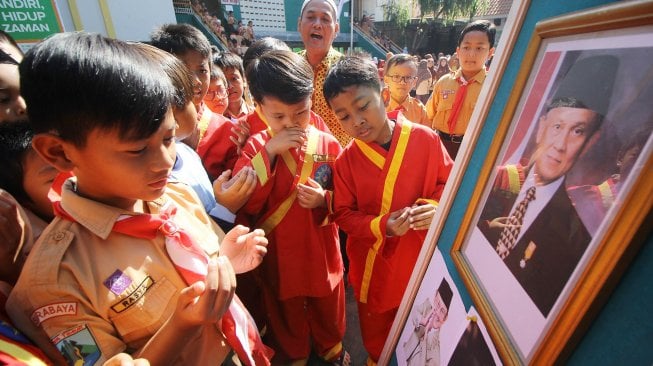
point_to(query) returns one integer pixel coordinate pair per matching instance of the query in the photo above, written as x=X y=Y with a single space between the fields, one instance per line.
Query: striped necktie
x=510 y=232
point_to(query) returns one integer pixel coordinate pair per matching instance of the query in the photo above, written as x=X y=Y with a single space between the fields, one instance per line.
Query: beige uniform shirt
x=439 y=106
x=96 y=293
x=412 y=109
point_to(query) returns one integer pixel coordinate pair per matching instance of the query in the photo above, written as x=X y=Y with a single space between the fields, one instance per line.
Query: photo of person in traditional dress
x=423 y=346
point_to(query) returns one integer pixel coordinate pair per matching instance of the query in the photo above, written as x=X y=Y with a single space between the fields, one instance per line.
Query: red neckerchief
x=458 y=103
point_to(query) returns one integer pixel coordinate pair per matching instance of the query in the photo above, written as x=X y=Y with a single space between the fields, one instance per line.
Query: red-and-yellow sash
x=273 y=219
x=513 y=178
x=606 y=189
x=203 y=123
x=386 y=201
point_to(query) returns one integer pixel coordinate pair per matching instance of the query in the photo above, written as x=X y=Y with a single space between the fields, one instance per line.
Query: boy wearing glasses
x=216 y=98
x=454 y=95
x=400 y=78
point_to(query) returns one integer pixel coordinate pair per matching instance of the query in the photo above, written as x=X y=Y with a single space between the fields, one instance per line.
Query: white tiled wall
x=267 y=15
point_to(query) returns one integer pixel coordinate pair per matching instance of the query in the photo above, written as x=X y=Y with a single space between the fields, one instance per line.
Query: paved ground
x=353 y=342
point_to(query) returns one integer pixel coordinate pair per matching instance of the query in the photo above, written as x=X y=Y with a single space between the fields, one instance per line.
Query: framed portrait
x=566 y=183
x=599 y=55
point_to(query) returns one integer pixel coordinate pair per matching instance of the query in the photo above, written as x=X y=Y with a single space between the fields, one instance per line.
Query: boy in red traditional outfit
x=133 y=266
x=388 y=182
x=303 y=272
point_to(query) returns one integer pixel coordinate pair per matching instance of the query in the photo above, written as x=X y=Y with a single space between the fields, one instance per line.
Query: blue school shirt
x=188 y=169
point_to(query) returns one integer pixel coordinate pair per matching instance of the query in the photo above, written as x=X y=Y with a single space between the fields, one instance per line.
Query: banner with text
x=29 y=20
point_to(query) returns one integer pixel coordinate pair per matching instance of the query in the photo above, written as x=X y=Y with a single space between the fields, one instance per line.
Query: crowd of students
x=235 y=35
x=146 y=179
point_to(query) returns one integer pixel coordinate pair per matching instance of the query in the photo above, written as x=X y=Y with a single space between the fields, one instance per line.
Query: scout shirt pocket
x=141 y=309
x=443 y=108
x=446 y=100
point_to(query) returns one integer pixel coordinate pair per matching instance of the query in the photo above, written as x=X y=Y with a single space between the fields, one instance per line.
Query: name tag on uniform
x=134 y=296
x=323 y=158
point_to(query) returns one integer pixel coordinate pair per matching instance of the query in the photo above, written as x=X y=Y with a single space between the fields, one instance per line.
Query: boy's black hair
x=262 y=46
x=229 y=60
x=74 y=83
x=179 y=74
x=180 y=38
x=350 y=71
x=284 y=75
x=398 y=59
x=15 y=142
x=484 y=26
x=7 y=38
x=216 y=71
x=6 y=58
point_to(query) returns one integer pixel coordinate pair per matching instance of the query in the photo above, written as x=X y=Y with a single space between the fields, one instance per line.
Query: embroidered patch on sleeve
x=78 y=346
x=52 y=311
x=117 y=282
x=134 y=296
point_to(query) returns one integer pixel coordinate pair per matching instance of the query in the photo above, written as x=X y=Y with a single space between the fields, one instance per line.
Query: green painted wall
x=293 y=8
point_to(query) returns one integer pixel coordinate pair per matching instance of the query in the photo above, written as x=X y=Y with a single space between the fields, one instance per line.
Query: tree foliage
x=396 y=12
x=450 y=9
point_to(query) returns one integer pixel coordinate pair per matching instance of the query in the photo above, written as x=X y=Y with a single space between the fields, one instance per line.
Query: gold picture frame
x=612 y=30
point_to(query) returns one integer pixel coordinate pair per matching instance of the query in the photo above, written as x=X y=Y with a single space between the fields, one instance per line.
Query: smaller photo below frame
x=433 y=321
x=474 y=346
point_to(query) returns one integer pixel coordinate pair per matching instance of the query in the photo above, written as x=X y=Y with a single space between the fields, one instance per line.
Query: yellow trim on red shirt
x=203 y=123
x=280 y=212
x=386 y=202
x=258 y=163
x=376 y=158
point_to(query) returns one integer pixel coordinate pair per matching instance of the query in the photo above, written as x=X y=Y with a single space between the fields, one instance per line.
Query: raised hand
x=234 y=192
x=311 y=194
x=244 y=249
x=286 y=139
x=398 y=222
x=242 y=132
x=420 y=216
x=204 y=302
